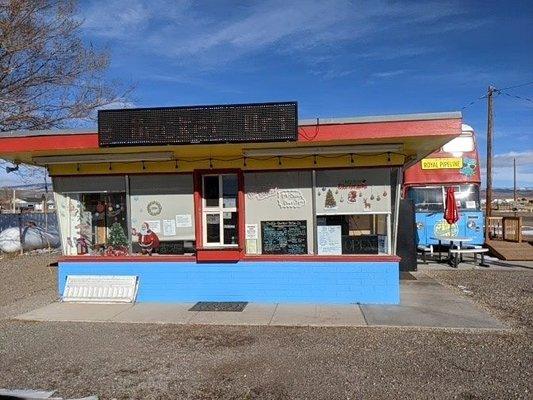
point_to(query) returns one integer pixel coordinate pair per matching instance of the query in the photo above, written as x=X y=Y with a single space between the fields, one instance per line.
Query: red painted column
x=241 y=215
x=197 y=177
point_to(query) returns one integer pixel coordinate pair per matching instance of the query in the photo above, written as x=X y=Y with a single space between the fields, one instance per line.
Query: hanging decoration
x=330 y=201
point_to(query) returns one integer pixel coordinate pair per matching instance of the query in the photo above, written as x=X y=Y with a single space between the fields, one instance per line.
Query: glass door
x=219 y=205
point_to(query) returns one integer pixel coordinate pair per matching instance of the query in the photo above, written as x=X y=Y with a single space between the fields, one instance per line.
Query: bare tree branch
x=48 y=76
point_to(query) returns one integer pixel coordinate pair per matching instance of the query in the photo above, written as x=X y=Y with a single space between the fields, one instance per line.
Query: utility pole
x=490 y=126
x=514 y=180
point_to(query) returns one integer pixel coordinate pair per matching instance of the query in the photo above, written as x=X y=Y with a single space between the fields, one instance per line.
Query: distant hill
x=28 y=186
x=507 y=193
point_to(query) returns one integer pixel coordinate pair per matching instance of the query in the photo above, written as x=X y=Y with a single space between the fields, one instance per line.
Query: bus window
x=461 y=144
x=467 y=197
x=427 y=199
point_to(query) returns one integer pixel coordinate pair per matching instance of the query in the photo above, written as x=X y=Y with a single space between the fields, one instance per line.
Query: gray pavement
x=424 y=303
x=427 y=303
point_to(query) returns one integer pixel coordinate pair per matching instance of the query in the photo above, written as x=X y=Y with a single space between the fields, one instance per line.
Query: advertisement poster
x=251 y=246
x=183 y=220
x=169 y=227
x=155 y=225
x=252 y=231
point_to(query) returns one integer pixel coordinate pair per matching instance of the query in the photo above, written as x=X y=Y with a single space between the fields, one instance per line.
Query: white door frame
x=220 y=210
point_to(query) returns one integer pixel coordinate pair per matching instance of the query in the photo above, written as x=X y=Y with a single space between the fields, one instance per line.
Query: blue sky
x=336 y=58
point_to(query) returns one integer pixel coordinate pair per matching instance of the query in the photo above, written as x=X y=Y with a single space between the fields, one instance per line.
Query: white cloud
x=118 y=103
x=201 y=35
x=523 y=159
x=388 y=74
x=502 y=172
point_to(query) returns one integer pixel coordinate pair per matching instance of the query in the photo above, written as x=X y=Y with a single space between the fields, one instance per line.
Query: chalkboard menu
x=284 y=237
x=364 y=244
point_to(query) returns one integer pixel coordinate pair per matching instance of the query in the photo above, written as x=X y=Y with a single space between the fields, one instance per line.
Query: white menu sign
x=252 y=231
x=329 y=240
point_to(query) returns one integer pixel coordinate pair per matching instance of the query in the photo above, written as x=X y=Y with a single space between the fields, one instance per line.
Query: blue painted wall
x=262 y=282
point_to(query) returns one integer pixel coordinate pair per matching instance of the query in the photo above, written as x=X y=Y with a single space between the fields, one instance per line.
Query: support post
x=490 y=127
x=514 y=181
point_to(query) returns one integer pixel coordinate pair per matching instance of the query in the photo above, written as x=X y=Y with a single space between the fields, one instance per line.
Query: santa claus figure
x=147 y=238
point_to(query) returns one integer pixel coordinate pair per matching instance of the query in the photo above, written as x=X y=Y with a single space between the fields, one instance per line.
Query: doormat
x=406 y=276
x=232 y=306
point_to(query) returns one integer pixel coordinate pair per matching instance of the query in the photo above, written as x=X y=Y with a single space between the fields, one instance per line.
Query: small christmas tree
x=117 y=237
x=330 y=200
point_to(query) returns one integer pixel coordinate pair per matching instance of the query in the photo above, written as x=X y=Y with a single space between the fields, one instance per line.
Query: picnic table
x=451 y=239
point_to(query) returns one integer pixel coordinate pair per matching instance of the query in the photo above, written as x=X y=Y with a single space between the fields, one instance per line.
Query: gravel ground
x=192 y=362
x=26 y=282
x=131 y=361
x=506 y=294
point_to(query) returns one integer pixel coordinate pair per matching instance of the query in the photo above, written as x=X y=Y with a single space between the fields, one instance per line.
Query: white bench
x=455 y=253
x=425 y=249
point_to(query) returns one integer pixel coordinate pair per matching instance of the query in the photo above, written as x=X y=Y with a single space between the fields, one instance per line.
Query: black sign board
x=284 y=237
x=364 y=244
x=262 y=122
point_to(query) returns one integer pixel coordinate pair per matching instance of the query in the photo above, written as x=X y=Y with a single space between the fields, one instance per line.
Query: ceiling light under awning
x=104 y=158
x=301 y=151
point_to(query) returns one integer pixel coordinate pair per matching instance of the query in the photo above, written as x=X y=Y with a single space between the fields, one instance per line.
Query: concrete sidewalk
x=424 y=303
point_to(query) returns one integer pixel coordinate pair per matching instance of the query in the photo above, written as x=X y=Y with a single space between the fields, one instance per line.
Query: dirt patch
x=218 y=337
x=506 y=294
x=26 y=282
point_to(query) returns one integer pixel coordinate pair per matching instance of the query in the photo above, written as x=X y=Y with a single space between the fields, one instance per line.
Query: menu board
x=362 y=244
x=284 y=237
x=329 y=239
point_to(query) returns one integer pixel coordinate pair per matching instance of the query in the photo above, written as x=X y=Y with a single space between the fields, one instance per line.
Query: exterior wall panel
x=263 y=282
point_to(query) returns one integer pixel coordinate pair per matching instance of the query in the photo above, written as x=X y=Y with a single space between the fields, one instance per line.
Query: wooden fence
x=505 y=228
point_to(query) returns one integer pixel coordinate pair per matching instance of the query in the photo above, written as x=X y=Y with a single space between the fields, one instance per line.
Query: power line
x=515 y=96
x=474 y=101
x=500 y=91
x=517 y=86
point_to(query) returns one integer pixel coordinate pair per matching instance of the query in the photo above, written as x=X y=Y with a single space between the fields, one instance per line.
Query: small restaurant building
x=233 y=202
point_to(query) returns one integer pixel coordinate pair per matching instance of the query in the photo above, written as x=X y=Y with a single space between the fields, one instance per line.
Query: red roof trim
x=379 y=130
x=46 y=143
x=346 y=131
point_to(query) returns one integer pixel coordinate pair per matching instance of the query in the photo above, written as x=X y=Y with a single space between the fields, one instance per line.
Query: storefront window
x=230 y=228
x=212 y=222
x=162 y=214
x=93 y=223
x=279 y=212
x=229 y=191
x=353 y=211
x=105 y=215
x=352 y=234
x=93 y=214
x=211 y=191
